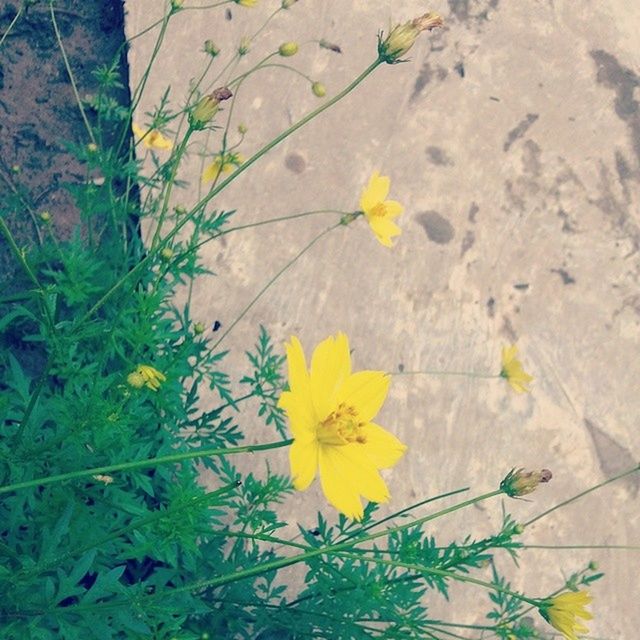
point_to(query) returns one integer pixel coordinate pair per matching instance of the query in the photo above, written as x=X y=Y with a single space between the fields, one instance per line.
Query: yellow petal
x=211 y=172
x=138 y=131
x=346 y=474
x=509 y=353
x=337 y=484
x=392 y=209
x=299 y=409
x=365 y=391
x=330 y=368
x=384 y=229
x=382 y=448
x=297 y=367
x=303 y=458
x=376 y=191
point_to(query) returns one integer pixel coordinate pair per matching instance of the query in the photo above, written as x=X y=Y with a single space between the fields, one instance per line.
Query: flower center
x=379 y=211
x=341 y=427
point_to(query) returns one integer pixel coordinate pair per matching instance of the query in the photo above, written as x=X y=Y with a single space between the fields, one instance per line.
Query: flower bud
x=45 y=216
x=288 y=3
x=518 y=529
x=402 y=36
x=242 y=128
x=176 y=5
x=288 y=49
x=198 y=328
x=246 y=3
x=203 y=112
x=243 y=47
x=319 y=89
x=166 y=254
x=210 y=48
x=520 y=482
x=180 y=210
x=92 y=147
x=593 y=566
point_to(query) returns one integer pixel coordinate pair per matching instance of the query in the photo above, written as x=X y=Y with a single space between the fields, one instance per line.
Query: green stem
x=271 y=281
x=241 y=169
x=70 y=73
x=132 y=526
x=286 y=562
x=12 y=24
x=33 y=400
x=434 y=372
x=175 y=160
x=6 y=232
x=580 y=546
x=142 y=464
x=397 y=514
x=441 y=572
x=583 y=493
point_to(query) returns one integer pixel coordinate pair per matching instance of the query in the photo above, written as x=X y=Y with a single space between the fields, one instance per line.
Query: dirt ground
x=512 y=137
x=39 y=113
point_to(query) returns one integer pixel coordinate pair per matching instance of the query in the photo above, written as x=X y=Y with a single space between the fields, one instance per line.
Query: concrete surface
x=512 y=137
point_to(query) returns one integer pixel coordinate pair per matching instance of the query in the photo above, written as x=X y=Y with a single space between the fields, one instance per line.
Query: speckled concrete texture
x=512 y=137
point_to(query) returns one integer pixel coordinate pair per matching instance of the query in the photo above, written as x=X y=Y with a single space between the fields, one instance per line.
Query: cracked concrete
x=512 y=137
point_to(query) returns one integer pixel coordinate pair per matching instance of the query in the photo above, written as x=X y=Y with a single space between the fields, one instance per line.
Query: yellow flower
x=512 y=370
x=146 y=376
x=330 y=411
x=222 y=163
x=561 y=612
x=152 y=139
x=378 y=211
x=246 y=3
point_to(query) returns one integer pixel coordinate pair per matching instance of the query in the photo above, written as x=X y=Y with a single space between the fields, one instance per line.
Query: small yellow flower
x=562 y=610
x=246 y=3
x=512 y=370
x=330 y=410
x=222 y=163
x=151 y=139
x=380 y=212
x=146 y=376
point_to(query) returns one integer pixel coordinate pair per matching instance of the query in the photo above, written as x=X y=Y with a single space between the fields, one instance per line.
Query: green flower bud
x=210 y=48
x=288 y=49
x=520 y=482
x=402 y=36
x=45 y=216
x=319 y=89
x=166 y=254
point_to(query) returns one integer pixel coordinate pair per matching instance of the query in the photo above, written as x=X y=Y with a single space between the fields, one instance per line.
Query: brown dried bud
x=221 y=94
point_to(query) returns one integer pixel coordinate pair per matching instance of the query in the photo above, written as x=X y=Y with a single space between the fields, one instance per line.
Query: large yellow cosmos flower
x=380 y=212
x=330 y=410
x=562 y=611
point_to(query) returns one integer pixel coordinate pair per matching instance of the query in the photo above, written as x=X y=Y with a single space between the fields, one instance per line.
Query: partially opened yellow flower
x=330 y=410
x=146 y=376
x=152 y=139
x=562 y=611
x=512 y=370
x=380 y=212
x=222 y=163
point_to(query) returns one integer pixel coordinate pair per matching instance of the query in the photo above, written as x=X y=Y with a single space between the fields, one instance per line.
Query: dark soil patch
x=39 y=115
